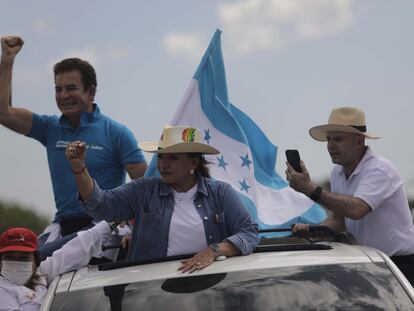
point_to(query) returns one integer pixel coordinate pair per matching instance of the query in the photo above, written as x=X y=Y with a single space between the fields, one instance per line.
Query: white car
x=290 y=276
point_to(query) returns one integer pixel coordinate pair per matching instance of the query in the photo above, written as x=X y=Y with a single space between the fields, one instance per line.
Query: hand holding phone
x=293 y=157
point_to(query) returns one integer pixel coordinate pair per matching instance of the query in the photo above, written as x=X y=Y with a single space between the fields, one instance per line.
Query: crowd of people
x=183 y=211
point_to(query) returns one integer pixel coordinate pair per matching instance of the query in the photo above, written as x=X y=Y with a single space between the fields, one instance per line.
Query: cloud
x=254 y=25
x=260 y=25
x=189 y=45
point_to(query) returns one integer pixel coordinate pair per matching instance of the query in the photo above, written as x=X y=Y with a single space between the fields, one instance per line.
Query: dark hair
x=86 y=70
x=202 y=167
x=37 y=259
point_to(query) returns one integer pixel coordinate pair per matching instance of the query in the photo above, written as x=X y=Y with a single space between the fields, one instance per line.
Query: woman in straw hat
x=181 y=212
x=24 y=279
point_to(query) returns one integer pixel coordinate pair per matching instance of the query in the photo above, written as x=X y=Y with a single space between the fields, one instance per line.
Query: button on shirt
x=186 y=234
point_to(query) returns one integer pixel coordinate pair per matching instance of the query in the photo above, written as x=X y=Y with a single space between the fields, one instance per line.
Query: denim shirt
x=151 y=202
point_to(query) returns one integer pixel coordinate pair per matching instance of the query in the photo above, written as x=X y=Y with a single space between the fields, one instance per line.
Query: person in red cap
x=24 y=279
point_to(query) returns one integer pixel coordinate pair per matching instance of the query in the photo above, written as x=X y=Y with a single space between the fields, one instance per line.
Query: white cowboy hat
x=179 y=139
x=343 y=119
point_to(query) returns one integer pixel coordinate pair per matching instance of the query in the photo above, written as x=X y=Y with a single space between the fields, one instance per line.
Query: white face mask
x=19 y=272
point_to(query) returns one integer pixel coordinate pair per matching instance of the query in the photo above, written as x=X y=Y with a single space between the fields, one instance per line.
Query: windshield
x=365 y=286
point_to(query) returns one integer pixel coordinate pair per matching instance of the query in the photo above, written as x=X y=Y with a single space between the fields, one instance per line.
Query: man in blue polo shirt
x=112 y=147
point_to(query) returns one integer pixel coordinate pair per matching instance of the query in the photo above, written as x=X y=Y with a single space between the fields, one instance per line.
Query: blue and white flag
x=247 y=160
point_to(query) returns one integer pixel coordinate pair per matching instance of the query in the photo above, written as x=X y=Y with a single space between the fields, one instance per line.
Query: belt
x=403 y=260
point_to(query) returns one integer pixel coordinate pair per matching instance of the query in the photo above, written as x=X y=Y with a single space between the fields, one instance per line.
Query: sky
x=288 y=63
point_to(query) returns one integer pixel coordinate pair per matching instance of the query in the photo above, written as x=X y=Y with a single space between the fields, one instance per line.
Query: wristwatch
x=216 y=248
x=316 y=194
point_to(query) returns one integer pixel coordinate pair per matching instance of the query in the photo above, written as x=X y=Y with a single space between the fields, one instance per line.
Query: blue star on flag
x=244 y=186
x=245 y=161
x=207 y=136
x=222 y=163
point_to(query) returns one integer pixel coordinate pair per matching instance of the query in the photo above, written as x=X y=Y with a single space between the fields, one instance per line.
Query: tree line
x=16 y=215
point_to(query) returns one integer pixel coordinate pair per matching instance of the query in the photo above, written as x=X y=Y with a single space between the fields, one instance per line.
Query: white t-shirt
x=389 y=226
x=73 y=255
x=186 y=234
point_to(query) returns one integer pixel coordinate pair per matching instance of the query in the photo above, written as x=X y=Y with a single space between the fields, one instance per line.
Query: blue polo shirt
x=110 y=146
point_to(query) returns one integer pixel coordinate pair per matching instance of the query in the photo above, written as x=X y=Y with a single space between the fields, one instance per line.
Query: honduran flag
x=247 y=160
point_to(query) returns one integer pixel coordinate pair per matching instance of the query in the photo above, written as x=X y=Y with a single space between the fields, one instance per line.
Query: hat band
x=361 y=128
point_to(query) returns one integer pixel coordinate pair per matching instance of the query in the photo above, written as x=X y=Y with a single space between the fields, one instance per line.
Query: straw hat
x=343 y=119
x=18 y=240
x=179 y=139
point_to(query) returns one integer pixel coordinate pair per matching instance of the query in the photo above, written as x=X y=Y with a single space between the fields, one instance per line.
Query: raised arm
x=117 y=204
x=16 y=119
x=342 y=205
x=76 y=153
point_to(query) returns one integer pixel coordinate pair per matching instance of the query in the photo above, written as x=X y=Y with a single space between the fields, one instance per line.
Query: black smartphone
x=293 y=157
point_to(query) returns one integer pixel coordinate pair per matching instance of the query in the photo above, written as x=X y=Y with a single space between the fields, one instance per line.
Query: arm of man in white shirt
x=342 y=205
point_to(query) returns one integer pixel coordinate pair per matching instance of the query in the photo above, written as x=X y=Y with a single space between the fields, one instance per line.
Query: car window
x=365 y=286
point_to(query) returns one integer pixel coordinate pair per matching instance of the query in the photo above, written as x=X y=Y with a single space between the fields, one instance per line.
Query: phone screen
x=293 y=157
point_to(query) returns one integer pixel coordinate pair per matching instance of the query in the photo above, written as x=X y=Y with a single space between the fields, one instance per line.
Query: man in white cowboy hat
x=181 y=212
x=367 y=196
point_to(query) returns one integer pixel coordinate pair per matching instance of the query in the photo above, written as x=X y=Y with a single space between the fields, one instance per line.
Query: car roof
x=337 y=253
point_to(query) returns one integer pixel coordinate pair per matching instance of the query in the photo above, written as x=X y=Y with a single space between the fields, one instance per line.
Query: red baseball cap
x=19 y=240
